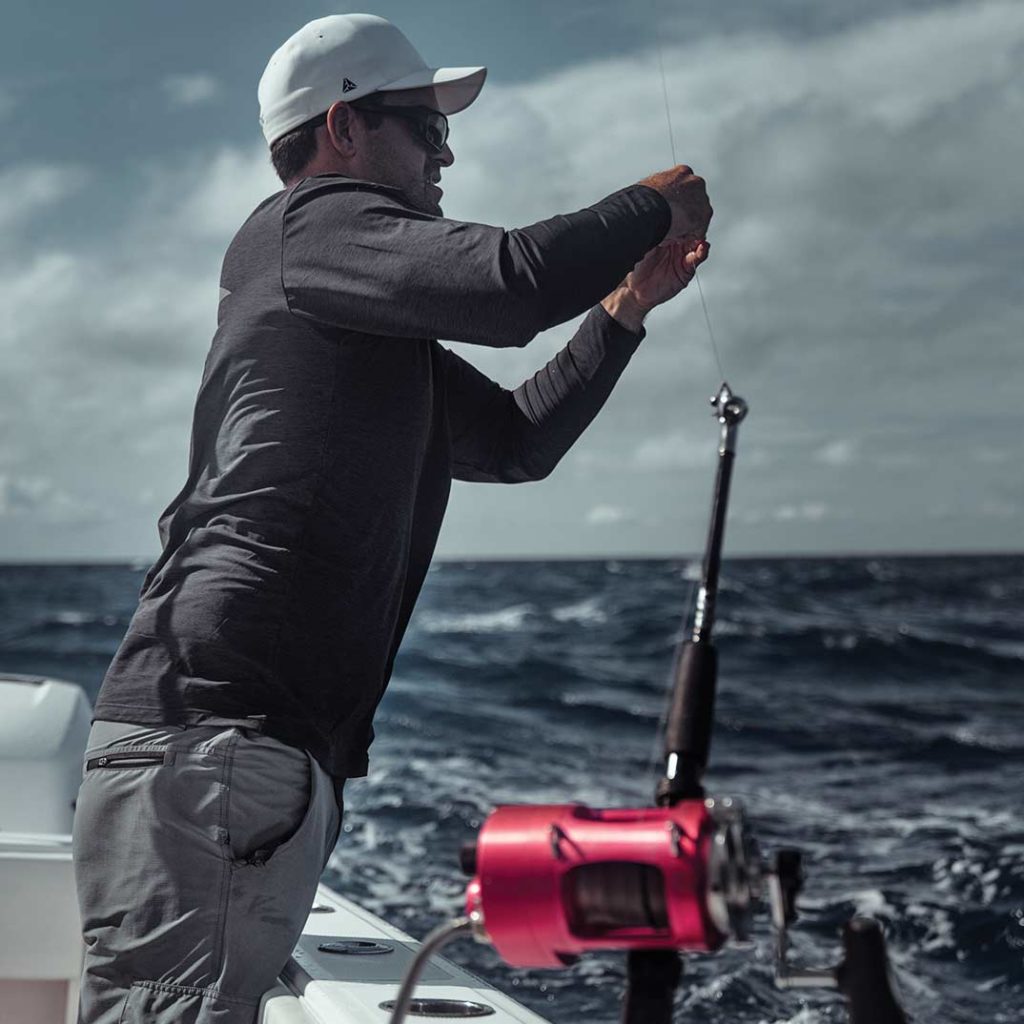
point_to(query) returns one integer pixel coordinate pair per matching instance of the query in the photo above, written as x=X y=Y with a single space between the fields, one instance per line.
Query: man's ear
x=339 y=129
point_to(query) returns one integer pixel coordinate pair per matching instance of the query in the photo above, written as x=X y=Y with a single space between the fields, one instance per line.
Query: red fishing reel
x=552 y=882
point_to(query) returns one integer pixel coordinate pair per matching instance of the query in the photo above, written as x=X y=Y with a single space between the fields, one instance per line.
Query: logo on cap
x=348 y=85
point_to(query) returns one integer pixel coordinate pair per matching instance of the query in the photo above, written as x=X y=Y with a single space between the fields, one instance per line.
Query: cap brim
x=455 y=88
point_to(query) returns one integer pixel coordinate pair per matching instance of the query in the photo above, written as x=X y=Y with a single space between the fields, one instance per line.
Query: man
x=328 y=427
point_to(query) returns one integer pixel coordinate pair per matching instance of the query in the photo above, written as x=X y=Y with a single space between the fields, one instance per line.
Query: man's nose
x=446 y=157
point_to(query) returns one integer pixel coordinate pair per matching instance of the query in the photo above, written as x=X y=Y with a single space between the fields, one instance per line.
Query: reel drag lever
x=863 y=974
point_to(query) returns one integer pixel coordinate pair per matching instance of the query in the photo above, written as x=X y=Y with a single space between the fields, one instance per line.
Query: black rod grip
x=864 y=975
x=692 y=711
x=652 y=977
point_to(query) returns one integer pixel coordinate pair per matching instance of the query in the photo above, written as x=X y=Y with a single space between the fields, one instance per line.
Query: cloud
x=31 y=188
x=103 y=341
x=1000 y=510
x=857 y=182
x=867 y=214
x=189 y=90
x=838 y=453
x=809 y=511
x=143 y=297
x=988 y=509
x=675 y=450
x=42 y=500
x=992 y=456
x=227 y=184
x=604 y=515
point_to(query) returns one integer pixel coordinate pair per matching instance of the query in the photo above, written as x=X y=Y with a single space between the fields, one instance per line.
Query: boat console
x=43 y=728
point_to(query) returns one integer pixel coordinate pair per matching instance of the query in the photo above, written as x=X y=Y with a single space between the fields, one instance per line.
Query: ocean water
x=870 y=712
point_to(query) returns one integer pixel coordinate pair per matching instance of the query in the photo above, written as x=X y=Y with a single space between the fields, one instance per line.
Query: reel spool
x=553 y=882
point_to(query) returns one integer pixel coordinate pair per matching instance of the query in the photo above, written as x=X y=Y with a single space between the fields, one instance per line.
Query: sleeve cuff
x=619 y=332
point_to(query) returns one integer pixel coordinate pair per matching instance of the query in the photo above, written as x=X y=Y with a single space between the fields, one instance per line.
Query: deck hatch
x=356 y=947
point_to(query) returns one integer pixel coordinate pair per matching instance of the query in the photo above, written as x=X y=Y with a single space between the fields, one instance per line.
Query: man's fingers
x=697 y=255
x=687 y=195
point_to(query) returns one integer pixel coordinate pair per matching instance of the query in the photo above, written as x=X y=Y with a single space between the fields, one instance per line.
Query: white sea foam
x=938 y=924
x=1004 y=648
x=872 y=903
x=73 y=618
x=500 y=621
x=808 y=1015
x=585 y=611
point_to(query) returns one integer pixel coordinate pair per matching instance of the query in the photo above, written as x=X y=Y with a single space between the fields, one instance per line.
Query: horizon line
x=135 y=563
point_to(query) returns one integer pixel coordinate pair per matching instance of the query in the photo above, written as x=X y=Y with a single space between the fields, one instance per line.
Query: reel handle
x=863 y=976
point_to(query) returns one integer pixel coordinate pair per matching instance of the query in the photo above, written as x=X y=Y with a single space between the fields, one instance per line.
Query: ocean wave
x=503 y=620
x=587 y=612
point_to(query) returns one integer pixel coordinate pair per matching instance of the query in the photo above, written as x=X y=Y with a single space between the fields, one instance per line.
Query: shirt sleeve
x=356 y=256
x=502 y=436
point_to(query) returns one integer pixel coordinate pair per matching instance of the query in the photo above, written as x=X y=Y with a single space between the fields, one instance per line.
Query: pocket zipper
x=125 y=759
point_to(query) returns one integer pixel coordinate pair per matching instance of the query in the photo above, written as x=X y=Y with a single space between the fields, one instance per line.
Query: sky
x=864 y=162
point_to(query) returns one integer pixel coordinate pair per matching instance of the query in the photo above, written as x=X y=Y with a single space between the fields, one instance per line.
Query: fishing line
x=675 y=162
x=707 y=320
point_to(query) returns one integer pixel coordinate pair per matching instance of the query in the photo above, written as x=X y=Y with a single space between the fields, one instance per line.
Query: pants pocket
x=269 y=898
x=269 y=801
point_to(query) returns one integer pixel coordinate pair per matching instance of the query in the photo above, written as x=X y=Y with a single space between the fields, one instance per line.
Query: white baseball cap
x=344 y=57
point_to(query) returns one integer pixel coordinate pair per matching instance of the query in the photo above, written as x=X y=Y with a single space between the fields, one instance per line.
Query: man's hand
x=687 y=195
x=661 y=275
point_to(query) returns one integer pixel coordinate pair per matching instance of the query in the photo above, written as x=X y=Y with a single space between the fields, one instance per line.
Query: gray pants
x=197 y=855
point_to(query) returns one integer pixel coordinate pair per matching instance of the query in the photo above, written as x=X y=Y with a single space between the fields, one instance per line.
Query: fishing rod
x=736 y=876
x=552 y=882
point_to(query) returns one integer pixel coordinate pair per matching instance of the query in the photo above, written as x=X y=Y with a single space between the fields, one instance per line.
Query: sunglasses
x=432 y=126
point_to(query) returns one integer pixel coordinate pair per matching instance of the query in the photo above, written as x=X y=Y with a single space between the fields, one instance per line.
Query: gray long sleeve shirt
x=328 y=428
